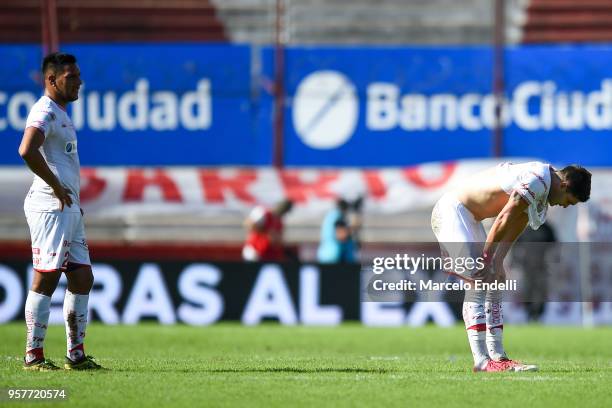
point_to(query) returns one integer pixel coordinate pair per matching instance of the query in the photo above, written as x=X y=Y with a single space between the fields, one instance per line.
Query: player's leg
x=495 y=325
x=499 y=360
x=482 y=313
x=457 y=231
x=473 y=237
x=49 y=251
x=80 y=281
x=495 y=330
x=477 y=298
x=475 y=325
x=37 y=309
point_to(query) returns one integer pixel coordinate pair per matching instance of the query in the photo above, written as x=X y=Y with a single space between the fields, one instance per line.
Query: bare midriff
x=482 y=194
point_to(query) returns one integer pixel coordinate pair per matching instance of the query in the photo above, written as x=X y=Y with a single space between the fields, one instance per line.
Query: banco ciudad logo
x=325 y=110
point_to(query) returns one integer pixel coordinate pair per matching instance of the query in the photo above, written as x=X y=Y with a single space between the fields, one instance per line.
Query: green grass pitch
x=350 y=365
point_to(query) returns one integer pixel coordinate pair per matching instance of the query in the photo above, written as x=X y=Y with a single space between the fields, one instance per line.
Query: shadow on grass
x=339 y=370
x=299 y=370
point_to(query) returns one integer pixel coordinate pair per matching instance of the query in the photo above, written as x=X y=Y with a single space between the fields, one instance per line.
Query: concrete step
x=227 y=228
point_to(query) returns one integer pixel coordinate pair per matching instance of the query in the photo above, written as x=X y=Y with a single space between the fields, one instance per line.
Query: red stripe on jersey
x=541 y=179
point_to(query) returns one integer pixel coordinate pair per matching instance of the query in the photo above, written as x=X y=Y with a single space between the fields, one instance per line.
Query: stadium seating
x=113 y=20
x=248 y=21
x=364 y=22
x=413 y=226
x=568 y=21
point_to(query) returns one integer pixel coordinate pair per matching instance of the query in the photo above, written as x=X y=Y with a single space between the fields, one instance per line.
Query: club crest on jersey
x=71 y=147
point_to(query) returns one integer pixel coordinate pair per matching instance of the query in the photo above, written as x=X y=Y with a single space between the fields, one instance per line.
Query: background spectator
x=338 y=242
x=265 y=233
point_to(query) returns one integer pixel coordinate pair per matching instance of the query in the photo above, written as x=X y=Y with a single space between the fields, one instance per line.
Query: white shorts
x=58 y=239
x=460 y=235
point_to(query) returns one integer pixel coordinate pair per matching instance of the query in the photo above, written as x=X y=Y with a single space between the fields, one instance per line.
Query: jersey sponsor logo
x=71 y=147
x=35 y=251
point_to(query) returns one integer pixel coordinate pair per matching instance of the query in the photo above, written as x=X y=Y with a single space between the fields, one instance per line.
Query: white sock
x=75 y=316
x=37 y=319
x=495 y=326
x=475 y=324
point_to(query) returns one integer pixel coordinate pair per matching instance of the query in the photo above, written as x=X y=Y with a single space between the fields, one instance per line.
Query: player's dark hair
x=56 y=60
x=579 y=181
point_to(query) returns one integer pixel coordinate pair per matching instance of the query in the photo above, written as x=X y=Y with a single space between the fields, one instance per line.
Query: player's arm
x=29 y=151
x=508 y=225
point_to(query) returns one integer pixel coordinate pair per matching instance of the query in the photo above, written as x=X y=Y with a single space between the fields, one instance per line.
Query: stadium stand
x=227 y=228
x=391 y=21
x=568 y=21
x=385 y=22
x=248 y=21
x=113 y=21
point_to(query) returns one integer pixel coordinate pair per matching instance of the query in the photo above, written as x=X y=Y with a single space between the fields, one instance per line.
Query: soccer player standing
x=54 y=216
x=517 y=195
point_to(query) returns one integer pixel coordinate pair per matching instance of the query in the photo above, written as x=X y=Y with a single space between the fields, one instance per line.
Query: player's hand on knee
x=482 y=274
x=485 y=273
x=493 y=272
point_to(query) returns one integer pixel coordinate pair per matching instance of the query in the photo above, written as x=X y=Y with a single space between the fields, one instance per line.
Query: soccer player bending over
x=53 y=212
x=517 y=195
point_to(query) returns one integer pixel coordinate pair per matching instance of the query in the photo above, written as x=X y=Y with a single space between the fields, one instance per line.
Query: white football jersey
x=532 y=181
x=60 y=151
